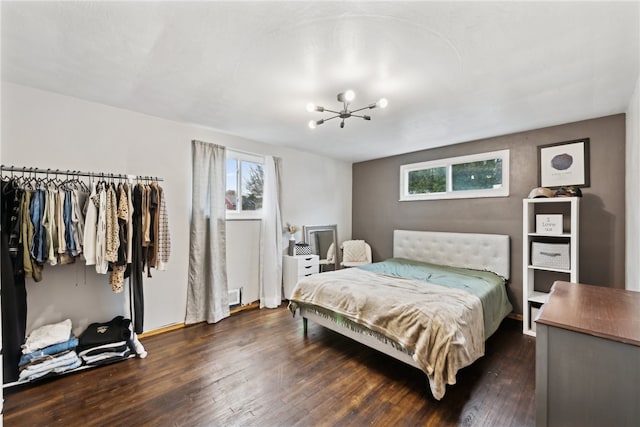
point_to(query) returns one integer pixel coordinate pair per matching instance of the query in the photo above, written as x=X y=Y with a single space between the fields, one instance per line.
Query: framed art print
x=563 y=164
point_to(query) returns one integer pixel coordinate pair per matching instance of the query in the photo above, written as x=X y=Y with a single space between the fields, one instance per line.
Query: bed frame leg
x=305 y=322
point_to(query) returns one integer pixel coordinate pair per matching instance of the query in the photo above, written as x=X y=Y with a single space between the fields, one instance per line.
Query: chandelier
x=346 y=98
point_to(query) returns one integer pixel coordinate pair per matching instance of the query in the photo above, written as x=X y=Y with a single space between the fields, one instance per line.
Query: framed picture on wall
x=564 y=163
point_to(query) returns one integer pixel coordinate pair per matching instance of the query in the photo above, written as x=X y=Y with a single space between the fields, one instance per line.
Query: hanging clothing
x=51 y=227
x=12 y=223
x=102 y=265
x=77 y=219
x=154 y=205
x=90 y=227
x=59 y=218
x=112 y=229
x=72 y=249
x=39 y=242
x=14 y=310
x=151 y=258
x=63 y=241
x=137 y=263
x=123 y=216
x=13 y=290
x=129 y=195
x=31 y=268
x=164 y=239
x=116 y=278
x=119 y=230
x=146 y=217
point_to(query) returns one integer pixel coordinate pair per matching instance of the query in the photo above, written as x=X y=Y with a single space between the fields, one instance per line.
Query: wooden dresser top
x=608 y=313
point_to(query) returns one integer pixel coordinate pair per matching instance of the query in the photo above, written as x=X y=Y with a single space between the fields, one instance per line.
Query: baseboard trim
x=253 y=305
x=162 y=330
x=170 y=328
x=515 y=316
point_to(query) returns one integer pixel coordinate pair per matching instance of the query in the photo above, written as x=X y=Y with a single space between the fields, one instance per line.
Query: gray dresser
x=588 y=357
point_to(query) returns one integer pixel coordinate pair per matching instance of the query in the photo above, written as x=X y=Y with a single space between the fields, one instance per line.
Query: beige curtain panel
x=207 y=297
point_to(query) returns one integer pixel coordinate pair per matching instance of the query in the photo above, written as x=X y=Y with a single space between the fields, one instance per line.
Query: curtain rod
x=237 y=150
x=78 y=173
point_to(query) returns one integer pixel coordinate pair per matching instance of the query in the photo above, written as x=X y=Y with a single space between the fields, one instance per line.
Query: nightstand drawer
x=307 y=259
x=295 y=268
x=308 y=265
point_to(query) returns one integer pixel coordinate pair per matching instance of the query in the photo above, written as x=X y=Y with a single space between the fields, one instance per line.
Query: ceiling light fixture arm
x=331 y=118
x=368 y=107
x=364 y=116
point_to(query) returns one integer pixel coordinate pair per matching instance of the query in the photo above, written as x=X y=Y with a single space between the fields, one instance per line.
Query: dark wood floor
x=257 y=369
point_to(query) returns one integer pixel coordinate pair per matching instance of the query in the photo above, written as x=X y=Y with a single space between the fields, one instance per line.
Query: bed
x=432 y=305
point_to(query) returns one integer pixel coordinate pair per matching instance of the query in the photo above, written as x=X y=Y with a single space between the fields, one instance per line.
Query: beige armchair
x=355 y=253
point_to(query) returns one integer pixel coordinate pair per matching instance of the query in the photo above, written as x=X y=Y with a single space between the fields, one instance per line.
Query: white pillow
x=354 y=251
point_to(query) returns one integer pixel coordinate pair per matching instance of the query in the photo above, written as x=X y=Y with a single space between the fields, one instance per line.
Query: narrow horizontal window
x=476 y=175
x=426 y=181
x=482 y=175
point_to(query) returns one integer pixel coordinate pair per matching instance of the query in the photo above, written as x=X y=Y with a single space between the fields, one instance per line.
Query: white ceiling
x=452 y=71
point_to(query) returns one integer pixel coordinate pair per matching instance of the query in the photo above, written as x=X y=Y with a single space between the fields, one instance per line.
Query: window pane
x=252 y=182
x=482 y=175
x=432 y=180
x=231 y=195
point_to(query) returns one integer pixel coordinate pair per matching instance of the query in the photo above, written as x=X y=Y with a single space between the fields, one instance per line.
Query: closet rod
x=78 y=173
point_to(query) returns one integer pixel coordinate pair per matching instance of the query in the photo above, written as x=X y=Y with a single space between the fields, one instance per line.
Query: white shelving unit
x=534 y=296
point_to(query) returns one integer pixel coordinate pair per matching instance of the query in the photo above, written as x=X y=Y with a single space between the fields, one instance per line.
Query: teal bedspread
x=487 y=286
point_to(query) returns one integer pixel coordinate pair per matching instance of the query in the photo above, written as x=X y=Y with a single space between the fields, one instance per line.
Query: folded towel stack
x=108 y=342
x=53 y=349
x=49 y=350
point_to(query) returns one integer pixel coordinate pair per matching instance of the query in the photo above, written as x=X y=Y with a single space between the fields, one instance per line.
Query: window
x=245 y=178
x=477 y=175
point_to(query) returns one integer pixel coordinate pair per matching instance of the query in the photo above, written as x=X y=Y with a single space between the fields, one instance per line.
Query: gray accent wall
x=377 y=210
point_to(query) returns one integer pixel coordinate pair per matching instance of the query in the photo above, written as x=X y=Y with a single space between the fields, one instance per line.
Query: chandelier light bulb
x=311 y=107
x=349 y=95
x=312 y=124
x=382 y=103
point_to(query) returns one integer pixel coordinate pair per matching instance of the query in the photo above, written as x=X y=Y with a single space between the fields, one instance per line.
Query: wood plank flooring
x=257 y=369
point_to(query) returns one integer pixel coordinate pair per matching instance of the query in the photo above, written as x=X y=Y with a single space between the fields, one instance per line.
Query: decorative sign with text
x=549 y=224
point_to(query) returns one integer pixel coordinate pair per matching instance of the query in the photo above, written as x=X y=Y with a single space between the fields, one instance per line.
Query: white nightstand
x=296 y=267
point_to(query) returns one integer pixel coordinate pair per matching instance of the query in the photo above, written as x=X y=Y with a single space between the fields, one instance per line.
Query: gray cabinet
x=588 y=357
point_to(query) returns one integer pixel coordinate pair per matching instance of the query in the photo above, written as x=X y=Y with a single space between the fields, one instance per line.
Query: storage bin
x=550 y=255
x=301 y=249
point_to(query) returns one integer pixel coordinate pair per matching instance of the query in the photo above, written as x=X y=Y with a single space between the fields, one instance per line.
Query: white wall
x=47 y=130
x=633 y=191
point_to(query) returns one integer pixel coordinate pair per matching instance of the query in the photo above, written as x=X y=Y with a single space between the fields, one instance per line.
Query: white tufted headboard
x=477 y=251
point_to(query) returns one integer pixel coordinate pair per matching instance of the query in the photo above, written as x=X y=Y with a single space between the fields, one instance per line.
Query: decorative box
x=301 y=249
x=550 y=255
x=549 y=224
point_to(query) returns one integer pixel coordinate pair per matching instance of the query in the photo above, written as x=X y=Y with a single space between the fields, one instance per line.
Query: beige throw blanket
x=443 y=328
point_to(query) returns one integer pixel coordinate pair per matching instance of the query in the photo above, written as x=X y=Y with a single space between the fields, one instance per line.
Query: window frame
x=240 y=214
x=503 y=191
